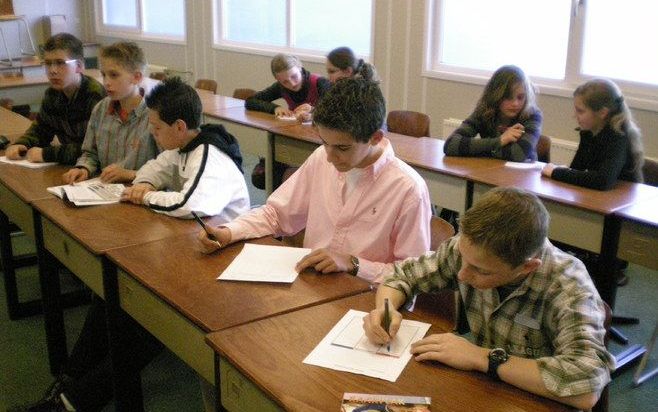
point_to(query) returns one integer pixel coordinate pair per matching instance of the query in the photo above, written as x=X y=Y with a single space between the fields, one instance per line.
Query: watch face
x=498 y=355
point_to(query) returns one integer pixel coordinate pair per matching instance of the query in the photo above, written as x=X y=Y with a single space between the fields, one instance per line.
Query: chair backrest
x=440 y=230
x=544 y=149
x=650 y=171
x=158 y=76
x=243 y=94
x=6 y=7
x=206 y=84
x=408 y=123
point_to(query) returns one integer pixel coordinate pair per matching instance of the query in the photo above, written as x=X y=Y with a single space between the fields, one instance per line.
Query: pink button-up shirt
x=386 y=217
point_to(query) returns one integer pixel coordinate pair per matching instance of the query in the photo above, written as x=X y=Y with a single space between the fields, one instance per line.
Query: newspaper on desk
x=346 y=348
x=89 y=192
x=26 y=163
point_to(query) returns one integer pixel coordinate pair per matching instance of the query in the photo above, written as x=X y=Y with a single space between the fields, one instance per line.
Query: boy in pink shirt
x=362 y=207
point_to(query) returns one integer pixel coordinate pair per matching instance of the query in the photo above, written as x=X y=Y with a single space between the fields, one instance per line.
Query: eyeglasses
x=57 y=63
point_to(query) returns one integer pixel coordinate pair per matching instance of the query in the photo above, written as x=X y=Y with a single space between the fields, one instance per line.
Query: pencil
x=205 y=228
x=387 y=323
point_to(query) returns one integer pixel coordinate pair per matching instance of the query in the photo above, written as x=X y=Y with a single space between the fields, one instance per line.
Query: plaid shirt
x=555 y=315
x=64 y=118
x=110 y=139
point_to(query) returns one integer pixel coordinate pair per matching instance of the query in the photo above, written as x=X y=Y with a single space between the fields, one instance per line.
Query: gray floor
x=169 y=385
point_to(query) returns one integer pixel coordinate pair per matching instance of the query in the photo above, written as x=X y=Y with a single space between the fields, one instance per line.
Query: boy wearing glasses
x=65 y=109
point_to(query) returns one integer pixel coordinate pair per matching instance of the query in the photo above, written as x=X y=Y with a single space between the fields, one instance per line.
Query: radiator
x=449 y=125
x=562 y=151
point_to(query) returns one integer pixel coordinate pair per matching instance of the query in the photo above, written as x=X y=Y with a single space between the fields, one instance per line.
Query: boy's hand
x=372 y=325
x=75 y=175
x=512 y=134
x=548 y=169
x=281 y=112
x=16 y=151
x=115 y=173
x=222 y=238
x=135 y=194
x=453 y=351
x=35 y=155
x=325 y=261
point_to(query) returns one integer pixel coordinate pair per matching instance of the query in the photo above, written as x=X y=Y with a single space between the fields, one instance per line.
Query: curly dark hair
x=355 y=106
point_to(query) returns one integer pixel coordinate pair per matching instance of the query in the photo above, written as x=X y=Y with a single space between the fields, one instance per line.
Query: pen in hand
x=205 y=228
x=386 y=323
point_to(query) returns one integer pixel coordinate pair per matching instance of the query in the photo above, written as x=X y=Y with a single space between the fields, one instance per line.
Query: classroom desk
x=212 y=102
x=79 y=237
x=580 y=217
x=446 y=176
x=13 y=125
x=638 y=238
x=253 y=130
x=19 y=187
x=170 y=288
x=261 y=369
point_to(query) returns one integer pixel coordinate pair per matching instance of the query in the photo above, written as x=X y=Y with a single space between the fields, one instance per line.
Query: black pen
x=387 y=323
x=205 y=228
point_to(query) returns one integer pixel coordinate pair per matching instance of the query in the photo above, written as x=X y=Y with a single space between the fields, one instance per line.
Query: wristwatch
x=497 y=357
x=355 y=265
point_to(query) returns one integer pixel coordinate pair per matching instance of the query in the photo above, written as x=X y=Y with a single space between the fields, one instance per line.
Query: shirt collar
x=115 y=108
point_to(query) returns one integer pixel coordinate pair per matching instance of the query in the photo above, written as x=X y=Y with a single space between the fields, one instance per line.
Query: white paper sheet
x=263 y=263
x=365 y=358
x=90 y=192
x=26 y=163
x=525 y=166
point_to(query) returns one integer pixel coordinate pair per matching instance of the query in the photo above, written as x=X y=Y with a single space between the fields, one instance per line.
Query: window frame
x=638 y=95
x=310 y=55
x=137 y=32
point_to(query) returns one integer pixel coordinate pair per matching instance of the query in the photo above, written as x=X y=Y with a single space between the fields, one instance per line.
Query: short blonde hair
x=510 y=223
x=127 y=54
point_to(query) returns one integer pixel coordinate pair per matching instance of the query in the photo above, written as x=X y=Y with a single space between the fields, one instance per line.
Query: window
x=305 y=27
x=559 y=43
x=142 y=19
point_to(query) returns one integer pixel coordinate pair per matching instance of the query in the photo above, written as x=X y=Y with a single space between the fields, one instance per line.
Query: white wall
x=398 y=56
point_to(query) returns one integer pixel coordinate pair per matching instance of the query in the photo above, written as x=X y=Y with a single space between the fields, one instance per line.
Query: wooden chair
x=650 y=171
x=243 y=94
x=206 y=84
x=158 y=76
x=409 y=123
x=445 y=302
x=544 y=149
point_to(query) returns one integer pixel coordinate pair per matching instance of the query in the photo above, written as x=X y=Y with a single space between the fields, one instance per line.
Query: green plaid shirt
x=555 y=315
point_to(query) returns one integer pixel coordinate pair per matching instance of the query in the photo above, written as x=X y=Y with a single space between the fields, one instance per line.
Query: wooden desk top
x=421 y=152
x=240 y=115
x=212 y=102
x=13 y=125
x=643 y=212
x=603 y=202
x=31 y=184
x=186 y=279
x=270 y=353
x=427 y=153
x=105 y=227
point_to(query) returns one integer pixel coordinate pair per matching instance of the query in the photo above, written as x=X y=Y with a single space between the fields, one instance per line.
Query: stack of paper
x=26 y=163
x=89 y=192
x=346 y=348
x=262 y=263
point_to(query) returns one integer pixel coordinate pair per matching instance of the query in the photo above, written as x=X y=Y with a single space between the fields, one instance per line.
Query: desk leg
x=53 y=315
x=127 y=386
x=218 y=386
x=269 y=164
